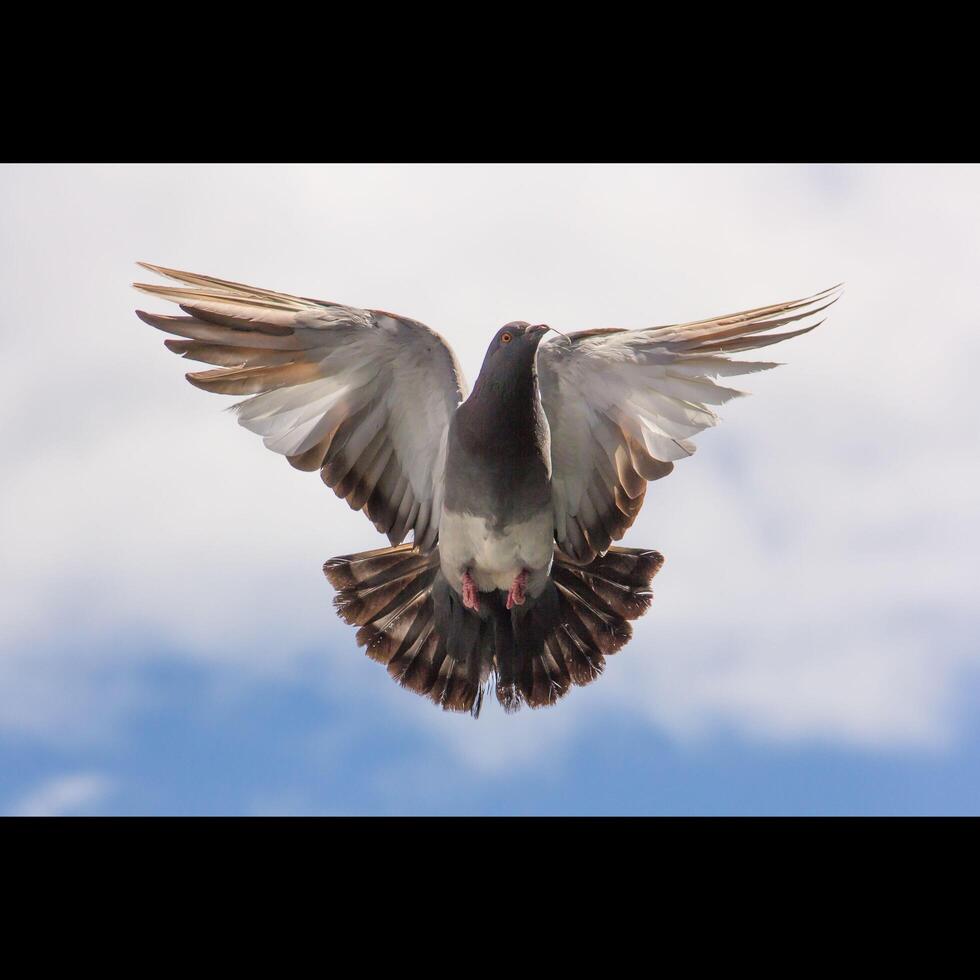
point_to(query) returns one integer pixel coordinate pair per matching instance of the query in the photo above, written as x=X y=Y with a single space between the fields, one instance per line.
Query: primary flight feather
x=513 y=495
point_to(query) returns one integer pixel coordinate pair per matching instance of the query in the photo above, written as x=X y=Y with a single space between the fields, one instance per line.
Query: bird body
x=496 y=514
x=513 y=496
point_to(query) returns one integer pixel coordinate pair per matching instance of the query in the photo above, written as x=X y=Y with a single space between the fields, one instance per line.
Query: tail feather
x=379 y=566
x=505 y=664
x=420 y=674
x=416 y=625
x=584 y=664
x=544 y=676
x=621 y=579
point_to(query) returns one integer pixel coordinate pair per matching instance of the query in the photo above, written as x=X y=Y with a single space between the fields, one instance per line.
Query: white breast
x=495 y=559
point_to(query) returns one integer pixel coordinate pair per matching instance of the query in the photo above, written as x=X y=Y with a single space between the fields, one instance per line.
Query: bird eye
x=506 y=338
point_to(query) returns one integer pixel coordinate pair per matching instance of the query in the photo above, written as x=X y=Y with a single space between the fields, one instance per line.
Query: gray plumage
x=513 y=495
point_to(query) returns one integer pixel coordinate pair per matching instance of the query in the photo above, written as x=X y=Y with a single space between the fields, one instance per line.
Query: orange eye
x=506 y=338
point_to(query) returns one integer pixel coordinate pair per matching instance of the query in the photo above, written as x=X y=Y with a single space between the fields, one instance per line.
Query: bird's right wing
x=364 y=396
x=622 y=406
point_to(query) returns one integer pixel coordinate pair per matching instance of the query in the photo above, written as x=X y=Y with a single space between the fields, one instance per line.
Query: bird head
x=510 y=356
x=514 y=344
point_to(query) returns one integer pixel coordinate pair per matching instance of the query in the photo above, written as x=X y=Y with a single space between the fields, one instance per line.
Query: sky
x=167 y=640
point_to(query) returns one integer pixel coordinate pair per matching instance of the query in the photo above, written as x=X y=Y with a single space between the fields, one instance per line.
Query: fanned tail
x=392 y=594
x=564 y=637
x=414 y=623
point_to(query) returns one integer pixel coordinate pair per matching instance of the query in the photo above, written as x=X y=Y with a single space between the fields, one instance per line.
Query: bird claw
x=516 y=595
x=471 y=597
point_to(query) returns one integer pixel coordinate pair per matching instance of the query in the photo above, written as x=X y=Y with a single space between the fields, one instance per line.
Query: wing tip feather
x=148 y=318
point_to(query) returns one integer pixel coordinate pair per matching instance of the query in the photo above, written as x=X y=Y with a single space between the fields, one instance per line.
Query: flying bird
x=513 y=495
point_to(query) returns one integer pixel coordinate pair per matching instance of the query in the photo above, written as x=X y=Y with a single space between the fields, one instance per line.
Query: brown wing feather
x=287 y=352
x=622 y=405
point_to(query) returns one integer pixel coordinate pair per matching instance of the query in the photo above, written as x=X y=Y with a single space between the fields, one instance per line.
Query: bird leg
x=471 y=597
x=516 y=595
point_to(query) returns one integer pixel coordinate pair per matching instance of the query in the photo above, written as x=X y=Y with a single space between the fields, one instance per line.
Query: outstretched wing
x=361 y=395
x=623 y=404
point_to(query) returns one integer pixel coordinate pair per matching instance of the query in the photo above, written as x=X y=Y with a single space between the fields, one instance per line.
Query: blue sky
x=167 y=643
x=294 y=748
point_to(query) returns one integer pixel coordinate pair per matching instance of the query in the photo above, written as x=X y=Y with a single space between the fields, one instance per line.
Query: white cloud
x=819 y=547
x=69 y=795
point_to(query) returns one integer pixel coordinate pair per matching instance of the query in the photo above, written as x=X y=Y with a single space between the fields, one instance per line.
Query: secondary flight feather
x=513 y=496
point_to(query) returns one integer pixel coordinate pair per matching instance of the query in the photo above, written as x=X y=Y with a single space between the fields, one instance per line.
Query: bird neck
x=502 y=414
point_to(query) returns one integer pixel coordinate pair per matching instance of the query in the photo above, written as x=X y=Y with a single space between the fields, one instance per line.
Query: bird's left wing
x=364 y=396
x=623 y=404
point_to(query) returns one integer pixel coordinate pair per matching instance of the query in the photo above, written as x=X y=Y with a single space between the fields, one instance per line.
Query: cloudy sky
x=167 y=641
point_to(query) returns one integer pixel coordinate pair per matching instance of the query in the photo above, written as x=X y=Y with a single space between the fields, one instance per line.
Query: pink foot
x=516 y=595
x=471 y=597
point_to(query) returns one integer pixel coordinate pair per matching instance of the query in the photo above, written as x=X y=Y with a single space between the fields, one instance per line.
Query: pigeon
x=513 y=494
